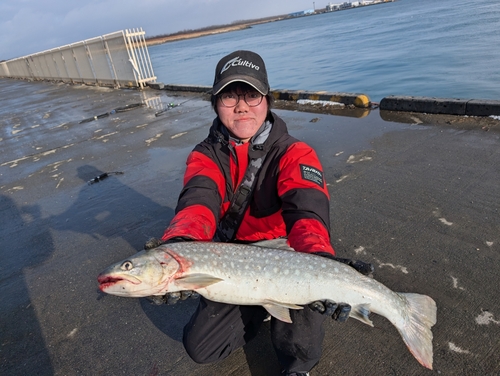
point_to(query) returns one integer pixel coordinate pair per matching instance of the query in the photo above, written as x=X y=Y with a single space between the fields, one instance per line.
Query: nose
x=242 y=105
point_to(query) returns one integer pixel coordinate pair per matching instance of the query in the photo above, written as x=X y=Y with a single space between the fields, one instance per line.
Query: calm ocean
x=445 y=48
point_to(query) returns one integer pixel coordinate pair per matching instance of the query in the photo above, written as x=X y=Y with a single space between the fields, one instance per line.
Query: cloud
x=29 y=26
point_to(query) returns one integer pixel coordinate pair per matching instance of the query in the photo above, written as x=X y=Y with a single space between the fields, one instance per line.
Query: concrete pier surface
x=416 y=195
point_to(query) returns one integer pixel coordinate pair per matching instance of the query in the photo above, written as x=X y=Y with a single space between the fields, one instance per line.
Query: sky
x=30 y=26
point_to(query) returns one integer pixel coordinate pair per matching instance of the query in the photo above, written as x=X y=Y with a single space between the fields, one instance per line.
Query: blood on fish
x=184 y=263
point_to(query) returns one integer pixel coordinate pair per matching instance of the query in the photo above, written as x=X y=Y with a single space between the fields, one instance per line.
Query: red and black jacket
x=290 y=197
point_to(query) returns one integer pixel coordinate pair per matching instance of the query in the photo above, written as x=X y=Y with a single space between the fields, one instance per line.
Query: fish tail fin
x=416 y=330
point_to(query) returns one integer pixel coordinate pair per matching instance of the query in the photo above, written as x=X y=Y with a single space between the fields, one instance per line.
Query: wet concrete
x=415 y=195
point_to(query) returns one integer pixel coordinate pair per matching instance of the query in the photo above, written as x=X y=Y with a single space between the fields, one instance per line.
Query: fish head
x=146 y=273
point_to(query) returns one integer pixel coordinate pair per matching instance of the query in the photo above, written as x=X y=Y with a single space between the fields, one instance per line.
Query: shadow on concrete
x=108 y=209
x=111 y=209
x=22 y=343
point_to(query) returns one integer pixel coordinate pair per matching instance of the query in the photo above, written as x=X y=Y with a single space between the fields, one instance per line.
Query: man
x=249 y=180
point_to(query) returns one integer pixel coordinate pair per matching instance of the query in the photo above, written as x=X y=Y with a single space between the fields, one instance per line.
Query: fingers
x=152 y=243
x=342 y=312
x=338 y=311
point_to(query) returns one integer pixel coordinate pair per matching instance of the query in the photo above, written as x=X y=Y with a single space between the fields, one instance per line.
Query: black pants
x=218 y=329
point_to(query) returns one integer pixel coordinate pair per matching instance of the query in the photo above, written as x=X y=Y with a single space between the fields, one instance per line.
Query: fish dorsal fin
x=279 y=243
x=360 y=312
x=196 y=281
x=280 y=310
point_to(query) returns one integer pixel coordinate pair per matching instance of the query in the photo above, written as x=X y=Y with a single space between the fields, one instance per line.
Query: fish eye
x=127 y=265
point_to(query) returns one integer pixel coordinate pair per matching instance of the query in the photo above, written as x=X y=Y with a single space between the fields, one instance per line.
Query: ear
x=213 y=100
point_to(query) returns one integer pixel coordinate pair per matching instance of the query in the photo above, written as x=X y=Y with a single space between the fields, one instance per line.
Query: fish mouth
x=106 y=281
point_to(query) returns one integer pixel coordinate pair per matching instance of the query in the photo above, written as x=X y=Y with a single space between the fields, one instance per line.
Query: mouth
x=107 y=281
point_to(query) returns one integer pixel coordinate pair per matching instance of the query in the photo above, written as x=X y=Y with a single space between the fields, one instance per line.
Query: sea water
x=445 y=48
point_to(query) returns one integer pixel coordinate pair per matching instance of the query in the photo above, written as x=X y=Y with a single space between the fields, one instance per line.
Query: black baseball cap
x=241 y=66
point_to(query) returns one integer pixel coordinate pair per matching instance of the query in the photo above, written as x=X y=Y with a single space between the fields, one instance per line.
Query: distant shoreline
x=152 y=41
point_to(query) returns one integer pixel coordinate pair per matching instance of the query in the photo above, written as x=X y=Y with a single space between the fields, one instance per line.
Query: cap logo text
x=238 y=62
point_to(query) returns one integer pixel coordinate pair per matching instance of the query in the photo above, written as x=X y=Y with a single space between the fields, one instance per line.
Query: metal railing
x=117 y=59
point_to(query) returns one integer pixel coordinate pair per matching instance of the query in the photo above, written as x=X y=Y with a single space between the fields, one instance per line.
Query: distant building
x=331 y=7
x=302 y=13
x=345 y=5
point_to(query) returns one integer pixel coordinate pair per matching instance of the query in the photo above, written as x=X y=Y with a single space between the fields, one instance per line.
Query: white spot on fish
x=485 y=318
x=276 y=270
x=489 y=244
x=457 y=349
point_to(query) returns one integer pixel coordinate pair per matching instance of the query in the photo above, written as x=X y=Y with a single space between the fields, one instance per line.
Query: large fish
x=276 y=279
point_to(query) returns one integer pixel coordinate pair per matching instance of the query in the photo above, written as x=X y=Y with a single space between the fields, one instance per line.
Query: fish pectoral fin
x=196 y=281
x=361 y=312
x=280 y=310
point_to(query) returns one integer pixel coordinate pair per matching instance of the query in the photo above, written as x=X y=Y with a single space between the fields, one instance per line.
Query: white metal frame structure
x=119 y=59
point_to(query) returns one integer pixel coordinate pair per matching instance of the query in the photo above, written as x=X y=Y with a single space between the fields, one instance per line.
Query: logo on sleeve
x=312 y=174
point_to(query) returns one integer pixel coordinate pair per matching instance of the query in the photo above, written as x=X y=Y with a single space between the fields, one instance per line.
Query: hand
x=338 y=311
x=364 y=268
x=152 y=243
x=171 y=298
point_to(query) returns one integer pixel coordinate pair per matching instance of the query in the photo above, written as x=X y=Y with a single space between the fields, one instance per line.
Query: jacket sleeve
x=199 y=205
x=305 y=200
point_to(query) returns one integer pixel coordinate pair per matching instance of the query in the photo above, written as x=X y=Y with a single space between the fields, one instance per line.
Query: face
x=242 y=121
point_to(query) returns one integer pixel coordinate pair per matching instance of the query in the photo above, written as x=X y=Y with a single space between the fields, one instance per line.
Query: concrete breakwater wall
x=445 y=106
x=430 y=105
x=354 y=99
